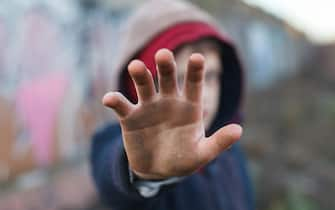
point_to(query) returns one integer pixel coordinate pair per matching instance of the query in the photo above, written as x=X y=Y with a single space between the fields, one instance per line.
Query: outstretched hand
x=163 y=133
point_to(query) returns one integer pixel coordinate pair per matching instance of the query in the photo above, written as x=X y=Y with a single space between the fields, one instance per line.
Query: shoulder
x=235 y=152
x=108 y=130
x=234 y=158
x=103 y=138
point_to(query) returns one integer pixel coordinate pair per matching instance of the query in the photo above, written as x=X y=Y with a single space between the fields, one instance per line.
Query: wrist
x=149 y=177
x=150 y=187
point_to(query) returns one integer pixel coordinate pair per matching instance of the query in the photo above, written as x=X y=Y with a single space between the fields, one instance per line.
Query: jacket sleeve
x=109 y=168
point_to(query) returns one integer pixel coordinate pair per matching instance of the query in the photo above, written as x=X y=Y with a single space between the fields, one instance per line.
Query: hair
x=201 y=45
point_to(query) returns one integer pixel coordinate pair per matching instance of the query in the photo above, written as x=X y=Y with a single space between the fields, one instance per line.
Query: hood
x=170 y=24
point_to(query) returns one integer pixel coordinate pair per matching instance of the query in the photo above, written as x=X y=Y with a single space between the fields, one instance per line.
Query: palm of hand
x=164 y=134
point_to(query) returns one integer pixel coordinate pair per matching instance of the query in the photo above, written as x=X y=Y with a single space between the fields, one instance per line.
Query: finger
x=166 y=67
x=118 y=103
x=143 y=80
x=194 y=78
x=221 y=140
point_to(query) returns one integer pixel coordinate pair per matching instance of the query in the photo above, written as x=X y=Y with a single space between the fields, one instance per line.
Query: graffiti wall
x=50 y=84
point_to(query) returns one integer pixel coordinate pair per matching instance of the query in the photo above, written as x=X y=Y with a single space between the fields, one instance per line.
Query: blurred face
x=213 y=70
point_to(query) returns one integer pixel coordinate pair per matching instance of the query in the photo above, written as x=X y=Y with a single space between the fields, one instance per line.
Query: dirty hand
x=164 y=133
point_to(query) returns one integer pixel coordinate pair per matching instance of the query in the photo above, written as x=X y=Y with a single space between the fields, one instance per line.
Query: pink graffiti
x=38 y=101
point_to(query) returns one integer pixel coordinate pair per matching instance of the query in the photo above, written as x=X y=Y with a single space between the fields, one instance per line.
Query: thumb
x=221 y=140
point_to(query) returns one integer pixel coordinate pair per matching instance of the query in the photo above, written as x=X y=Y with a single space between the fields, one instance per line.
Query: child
x=174 y=148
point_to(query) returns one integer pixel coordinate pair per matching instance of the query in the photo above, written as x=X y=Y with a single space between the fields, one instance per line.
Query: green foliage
x=297 y=201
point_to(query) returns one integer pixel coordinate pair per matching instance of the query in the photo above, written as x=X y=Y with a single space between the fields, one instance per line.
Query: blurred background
x=55 y=61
